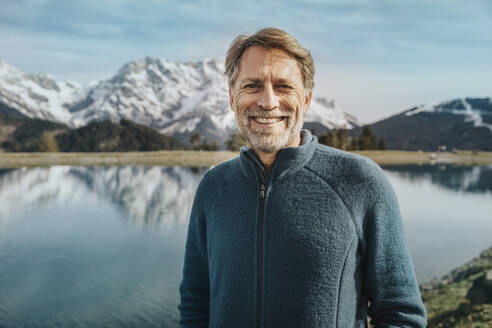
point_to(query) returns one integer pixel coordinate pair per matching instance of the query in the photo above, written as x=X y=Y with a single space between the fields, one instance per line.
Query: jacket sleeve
x=194 y=288
x=390 y=281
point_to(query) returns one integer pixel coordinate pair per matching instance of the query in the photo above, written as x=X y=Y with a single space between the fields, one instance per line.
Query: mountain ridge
x=179 y=98
x=174 y=98
x=461 y=123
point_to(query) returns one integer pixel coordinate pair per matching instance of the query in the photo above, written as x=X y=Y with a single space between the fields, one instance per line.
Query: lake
x=103 y=246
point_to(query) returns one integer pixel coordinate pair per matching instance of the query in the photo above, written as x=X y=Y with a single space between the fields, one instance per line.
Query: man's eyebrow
x=251 y=79
x=284 y=80
x=257 y=80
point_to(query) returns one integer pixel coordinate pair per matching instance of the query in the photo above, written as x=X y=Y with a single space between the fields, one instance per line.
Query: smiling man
x=292 y=233
x=269 y=100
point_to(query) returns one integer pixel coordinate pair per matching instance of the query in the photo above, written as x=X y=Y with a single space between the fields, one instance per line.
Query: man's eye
x=250 y=86
x=285 y=86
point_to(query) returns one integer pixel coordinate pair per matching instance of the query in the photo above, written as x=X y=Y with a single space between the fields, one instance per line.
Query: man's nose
x=268 y=100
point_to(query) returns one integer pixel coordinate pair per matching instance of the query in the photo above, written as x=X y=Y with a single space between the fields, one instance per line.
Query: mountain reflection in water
x=477 y=179
x=446 y=210
x=164 y=195
x=93 y=246
x=148 y=195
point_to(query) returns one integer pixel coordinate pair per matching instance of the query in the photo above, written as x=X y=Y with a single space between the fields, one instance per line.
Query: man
x=292 y=233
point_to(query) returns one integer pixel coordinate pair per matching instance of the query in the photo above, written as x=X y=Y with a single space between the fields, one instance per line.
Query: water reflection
x=477 y=179
x=149 y=195
x=103 y=246
x=93 y=246
x=446 y=211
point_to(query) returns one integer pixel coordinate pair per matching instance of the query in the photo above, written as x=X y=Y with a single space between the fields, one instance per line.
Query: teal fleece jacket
x=310 y=246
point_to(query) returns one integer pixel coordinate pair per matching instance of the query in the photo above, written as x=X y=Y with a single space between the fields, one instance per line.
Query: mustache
x=258 y=112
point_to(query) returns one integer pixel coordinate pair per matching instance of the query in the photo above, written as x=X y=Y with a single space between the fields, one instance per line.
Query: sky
x=375 y=58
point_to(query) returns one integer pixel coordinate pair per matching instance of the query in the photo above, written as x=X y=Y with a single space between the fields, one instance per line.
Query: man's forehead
x=274 y=54
x=257 y=60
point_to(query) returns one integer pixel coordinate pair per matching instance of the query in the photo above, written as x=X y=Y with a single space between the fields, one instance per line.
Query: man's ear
x=231 y=99
x=307 y=100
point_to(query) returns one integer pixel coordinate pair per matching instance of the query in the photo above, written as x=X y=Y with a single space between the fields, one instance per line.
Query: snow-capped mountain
x=175 y=98
x=475 y=110
x=464 y=123
x=326 y=114
x=38 y=95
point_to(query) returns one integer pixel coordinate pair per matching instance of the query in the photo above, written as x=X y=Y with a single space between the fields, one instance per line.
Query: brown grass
x=209 y=158
x=396 y=157
x=159 y=158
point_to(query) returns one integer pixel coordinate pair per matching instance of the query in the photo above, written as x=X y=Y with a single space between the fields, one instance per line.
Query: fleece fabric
x=310 y=246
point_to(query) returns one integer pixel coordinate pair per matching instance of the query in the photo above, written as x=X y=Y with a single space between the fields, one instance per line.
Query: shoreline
x=446 y=300
x=210 y=158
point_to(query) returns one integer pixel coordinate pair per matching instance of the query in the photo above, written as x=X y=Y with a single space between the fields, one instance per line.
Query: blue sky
x=375 y=58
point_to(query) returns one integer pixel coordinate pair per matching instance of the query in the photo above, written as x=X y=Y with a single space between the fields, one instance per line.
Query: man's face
x=269 y=99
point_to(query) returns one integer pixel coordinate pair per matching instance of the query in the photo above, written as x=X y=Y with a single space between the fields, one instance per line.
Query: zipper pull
x=262 y=191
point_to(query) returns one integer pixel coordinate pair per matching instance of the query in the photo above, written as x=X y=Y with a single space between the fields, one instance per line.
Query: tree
x=329 y=138
x=235 y=142
x=194 y=140
x=354 y=144
x=343 y=139
x=340 y=139
x=206 y=146
x=367 y=139
x=381 y=144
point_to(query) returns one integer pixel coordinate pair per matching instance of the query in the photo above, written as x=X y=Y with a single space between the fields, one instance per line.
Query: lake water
x=103 y=246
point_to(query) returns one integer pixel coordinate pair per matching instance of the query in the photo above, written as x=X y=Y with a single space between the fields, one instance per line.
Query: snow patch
x=470 y=114
x=474 y=116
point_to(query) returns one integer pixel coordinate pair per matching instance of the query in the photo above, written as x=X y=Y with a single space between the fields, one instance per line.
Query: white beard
x=266 y=139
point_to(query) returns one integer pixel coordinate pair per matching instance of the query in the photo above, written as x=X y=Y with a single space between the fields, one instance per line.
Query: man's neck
x=267 y=159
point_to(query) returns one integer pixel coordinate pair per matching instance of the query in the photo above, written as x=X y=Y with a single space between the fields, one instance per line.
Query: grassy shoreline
x=209 y=158
x=445 y=298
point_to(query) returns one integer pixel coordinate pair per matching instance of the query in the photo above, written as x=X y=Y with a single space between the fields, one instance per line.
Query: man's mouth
x=268 y=120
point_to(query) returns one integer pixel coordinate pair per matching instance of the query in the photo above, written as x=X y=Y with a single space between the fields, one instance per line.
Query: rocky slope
x=446 y=299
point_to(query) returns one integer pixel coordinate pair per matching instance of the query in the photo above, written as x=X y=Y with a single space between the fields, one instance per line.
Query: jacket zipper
x=260 y=251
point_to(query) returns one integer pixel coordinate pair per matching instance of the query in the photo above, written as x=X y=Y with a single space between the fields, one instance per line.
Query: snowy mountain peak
x=137 y=66
x=159 y=93
x=37 y=95
x=329 y=114
x=159 y=70
x=475 y=110
x=6 y=69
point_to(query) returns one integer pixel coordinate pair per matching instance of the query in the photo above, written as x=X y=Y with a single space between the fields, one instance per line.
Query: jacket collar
x=287 y=162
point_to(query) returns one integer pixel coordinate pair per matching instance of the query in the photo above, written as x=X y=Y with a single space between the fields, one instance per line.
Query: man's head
x=270 y=87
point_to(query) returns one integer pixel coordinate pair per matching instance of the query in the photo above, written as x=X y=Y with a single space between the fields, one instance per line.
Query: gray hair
x=270 y=38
